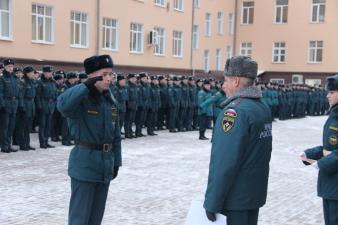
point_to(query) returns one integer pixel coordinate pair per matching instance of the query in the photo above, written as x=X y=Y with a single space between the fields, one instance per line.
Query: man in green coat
x=241 y=148
x=92 y=113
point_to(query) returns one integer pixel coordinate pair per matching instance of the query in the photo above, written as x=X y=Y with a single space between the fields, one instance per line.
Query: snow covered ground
x=161 y=175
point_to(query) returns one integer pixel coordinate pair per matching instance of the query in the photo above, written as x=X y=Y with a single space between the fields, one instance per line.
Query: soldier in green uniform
x=173 y=102
x=192 y=107
x=10 y=100
x=92 y=112
x=204 y=109
x=132 y=104
x=325 y=157
x=155 y=104
x=45 y=104
x=56 y=123
x=241 y=148
x=163 y=113
x=122 y=98
x=143 y=103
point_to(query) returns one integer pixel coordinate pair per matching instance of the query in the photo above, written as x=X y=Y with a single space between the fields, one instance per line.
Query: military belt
x=11 y=98
x=97 y=147
x=326 y=152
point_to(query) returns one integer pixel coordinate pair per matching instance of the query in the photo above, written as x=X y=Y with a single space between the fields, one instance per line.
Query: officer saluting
x=325 y=157
x=92 y=113
x=241 y=148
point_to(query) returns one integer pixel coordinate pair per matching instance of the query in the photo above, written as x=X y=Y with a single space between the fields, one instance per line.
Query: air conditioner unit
x=153 y=38
x=297 y=79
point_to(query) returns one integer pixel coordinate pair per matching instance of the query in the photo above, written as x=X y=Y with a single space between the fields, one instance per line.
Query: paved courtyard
x=160 y=176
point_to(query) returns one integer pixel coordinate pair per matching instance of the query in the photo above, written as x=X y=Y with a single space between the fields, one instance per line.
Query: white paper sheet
x=196 y=216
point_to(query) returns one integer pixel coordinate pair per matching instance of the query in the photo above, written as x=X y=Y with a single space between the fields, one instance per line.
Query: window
x=195 y=37
x=197 y=3
x=5 y=19
x=278 y=52
x=42 y=23
x=246 y=48
x=160 y=43
x=206 y=61
x=248 y=13
x=229 y=52
x=178 y=5
x=231 y=23
x=208 y=24
x=218 y=59
x=316 y=51
x=318 y=11
x=136 y=38
x=109 y=34
x=220 y=19
x=160 y=2
x=282 y=11
x=277 y=80
x=79 y=29
x=178 y=44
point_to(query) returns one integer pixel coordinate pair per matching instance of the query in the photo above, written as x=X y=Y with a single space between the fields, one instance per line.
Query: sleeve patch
x=333 y=140
x=229 y=119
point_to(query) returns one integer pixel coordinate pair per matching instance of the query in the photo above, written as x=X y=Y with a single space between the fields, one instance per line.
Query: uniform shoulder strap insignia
x=229 y=118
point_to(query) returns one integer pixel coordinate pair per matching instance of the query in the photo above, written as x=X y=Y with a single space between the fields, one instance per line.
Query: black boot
x=202 y=136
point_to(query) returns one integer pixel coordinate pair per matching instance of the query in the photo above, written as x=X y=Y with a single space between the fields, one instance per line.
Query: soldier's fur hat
x=241 y=66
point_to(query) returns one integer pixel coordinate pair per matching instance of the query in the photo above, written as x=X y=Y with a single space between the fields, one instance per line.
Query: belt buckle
x=106 y=147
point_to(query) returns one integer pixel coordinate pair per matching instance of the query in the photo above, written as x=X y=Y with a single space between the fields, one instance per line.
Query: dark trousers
x=204 y=122
x=195 y=119
x=151 y=121
x=87 y=202
x=65 y=132
x=172 y=118
x=141 y=117
x=130 y=119
x=56 y=124
x=161 y=117
x=122 y=117
x=245 y=217
x=330 y=212
x=44 y=127
x=22 y=131
x=181 y=117
x=7 y=125
x=187 y=123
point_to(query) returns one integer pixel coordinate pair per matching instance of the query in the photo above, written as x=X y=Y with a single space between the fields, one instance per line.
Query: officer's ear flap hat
x=7 y=62
x=120 y=76
x=206 y=81
x=142 y=74
x=17 y=69
x=71 y=75
x=83 y=75
x=160 y=77
x=332 y=83
x=131 y=75
x=96 y=63
x=241 y=66
x=47 y=69
x=28 y=69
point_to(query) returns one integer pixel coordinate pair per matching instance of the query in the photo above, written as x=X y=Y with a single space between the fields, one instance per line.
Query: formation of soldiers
x=151 y=103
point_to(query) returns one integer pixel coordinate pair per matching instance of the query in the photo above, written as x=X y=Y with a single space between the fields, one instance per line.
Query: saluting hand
x=90 y=83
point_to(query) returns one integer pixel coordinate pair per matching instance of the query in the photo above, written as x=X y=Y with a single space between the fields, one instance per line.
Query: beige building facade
x=292 y=40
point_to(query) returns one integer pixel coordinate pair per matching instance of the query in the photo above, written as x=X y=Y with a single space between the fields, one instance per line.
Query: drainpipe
x=98 y=15
x=192 y=37
x=235 y=29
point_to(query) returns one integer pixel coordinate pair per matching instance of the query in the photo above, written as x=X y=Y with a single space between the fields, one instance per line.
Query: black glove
x=211 y=216
x=90 y=83
x=116 y=171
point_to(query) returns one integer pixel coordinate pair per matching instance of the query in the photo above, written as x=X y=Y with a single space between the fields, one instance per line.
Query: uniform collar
x=249 y=92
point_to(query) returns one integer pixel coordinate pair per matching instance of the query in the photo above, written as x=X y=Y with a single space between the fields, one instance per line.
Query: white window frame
x=9 y=12
x=246 y=49
x=159 y=48
x=249 y=9
x=277 y=80
x=318 y=6
x=197 y=4
x=229 y=51
x=106 y=28
x=138 y=34
x=206 y=61
x=74 y=22
x=179 y=5
x=44 y=17
x=220 y=23
x=231 y=23
x=160 y=3
x=314 y=52
x=195 y=37
x=281 y=8
x=218 y=59
x=208 y=24
x=177 y=42
x=279 y=52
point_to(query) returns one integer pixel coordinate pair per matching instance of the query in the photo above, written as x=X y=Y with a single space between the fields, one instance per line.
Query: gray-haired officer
x=241 y=148
x=92 y=114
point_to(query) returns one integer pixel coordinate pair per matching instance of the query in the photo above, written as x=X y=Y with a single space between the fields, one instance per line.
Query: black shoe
x=31 y=148
x=24 y=148
x=56 y=139
x=5 y=150
x=64 y=143
x=43 y=146
x=204 y=138
x=152 y=134
x=172 y=131
x=49 y=146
